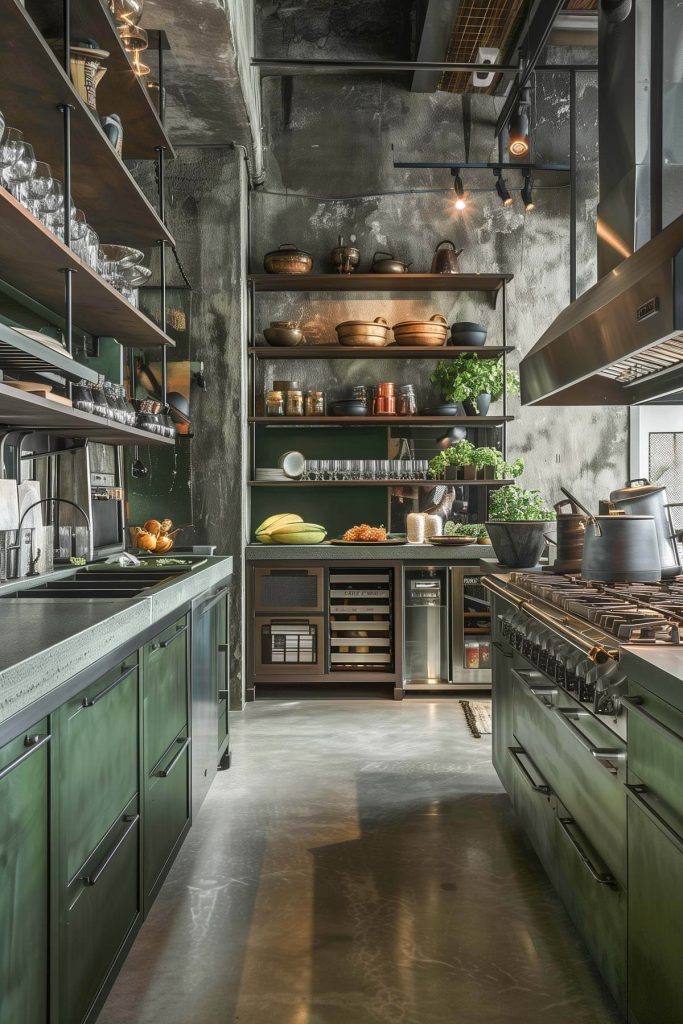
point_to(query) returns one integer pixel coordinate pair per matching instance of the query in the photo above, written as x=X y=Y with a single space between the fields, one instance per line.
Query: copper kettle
x=445 y=261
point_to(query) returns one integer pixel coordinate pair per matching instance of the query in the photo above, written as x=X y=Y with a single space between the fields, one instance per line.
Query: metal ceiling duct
x=621 y=342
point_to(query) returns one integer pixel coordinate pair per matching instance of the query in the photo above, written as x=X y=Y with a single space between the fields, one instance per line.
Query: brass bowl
x=287 y=259
x=428 y=333
x=285 y=336
x=364 y=332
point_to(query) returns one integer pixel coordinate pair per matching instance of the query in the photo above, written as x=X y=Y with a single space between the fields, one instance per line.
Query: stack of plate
x=270 y=474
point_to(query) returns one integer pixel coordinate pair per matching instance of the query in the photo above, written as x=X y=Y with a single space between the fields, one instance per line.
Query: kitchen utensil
x=349 y=407
x=366 y=333
x=571 y=528
x=452 y=541
x=344 y=258
x=445 y=261
x=640 y=497
x=386 y=263
x=284 y=332
x=619 y=549
x=466 y=333
x=429 y=333
x=287 y=259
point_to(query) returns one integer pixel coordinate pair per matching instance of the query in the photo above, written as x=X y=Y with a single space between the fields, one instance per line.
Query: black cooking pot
x=621 y=549
x=640 y=497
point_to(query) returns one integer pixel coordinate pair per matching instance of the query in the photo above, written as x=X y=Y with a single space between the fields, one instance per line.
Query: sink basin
x=97 y=582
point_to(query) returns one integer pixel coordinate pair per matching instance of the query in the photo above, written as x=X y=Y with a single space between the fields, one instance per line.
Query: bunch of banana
x=288 y=528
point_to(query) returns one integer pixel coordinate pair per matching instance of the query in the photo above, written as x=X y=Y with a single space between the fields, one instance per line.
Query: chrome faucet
x=33 y=557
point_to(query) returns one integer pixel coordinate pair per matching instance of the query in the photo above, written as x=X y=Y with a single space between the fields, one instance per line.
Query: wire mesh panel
x=665 y=461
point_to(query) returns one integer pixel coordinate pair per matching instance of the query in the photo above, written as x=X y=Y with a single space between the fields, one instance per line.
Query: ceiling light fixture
x=451 y=437
x=518 y=127
x=502 y=189
x=527 y=193
x=459 y=189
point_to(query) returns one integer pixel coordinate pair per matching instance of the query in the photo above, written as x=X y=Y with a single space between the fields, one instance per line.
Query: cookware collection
x=343 y=259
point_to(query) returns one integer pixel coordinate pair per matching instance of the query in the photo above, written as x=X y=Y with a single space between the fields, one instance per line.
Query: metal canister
x=295 y=403
x=571 y=529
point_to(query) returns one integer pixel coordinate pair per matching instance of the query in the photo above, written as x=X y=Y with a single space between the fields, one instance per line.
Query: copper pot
x=445 y=261
x=430 y=333
x=367 y=333
x=287 y=259
x=386 y=390
x=385 y=263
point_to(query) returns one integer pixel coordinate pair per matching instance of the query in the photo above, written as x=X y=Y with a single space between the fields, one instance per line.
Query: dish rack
x=361 y=623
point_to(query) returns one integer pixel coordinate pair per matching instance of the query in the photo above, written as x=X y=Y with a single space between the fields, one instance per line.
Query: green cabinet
x=167 y=811
x=165 y=674
x=24 y=873
x=223 y=681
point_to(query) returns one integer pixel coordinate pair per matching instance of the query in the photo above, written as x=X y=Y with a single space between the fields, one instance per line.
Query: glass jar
x=100 y=404
x=275 y=403
x=315 y=403
x=295 y=403
x=82 y=398
x=406 y=404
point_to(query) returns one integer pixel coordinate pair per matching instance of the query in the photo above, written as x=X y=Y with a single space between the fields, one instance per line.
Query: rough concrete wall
x=334 y=139
x=206 y=200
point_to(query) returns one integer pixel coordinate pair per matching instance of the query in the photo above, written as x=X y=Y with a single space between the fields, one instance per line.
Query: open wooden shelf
x=379 y=483
x=379 y=282
x=34 y=85
x=333 y=351
x=22 y=409
x=380 y=421
x=31 y=258
x=19 y=354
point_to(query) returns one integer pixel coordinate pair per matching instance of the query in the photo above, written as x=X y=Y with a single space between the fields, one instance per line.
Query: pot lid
x=287 y=249
x=635 y=489
x=436 y=321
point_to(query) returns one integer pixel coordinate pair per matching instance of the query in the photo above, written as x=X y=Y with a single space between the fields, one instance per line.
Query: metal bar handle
x=213 y=601
x=163 y=644
x=601 y=877
x=224 y=648
x=89 y=702
x=165 y=772
x=517 y=753
x=223 y=694
x=32 y=743
x=632 y=705
x=94 y=878
x=601 y=754
x=637 y=794
x=502 y=649
x=539 y=691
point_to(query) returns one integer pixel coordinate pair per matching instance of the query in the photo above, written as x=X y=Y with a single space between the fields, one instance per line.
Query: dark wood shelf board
x=380 y=421
x=19 y=354
x=379 y=282
x=22 y=409
x=102 y=185
x=333 y=351
x=378 y=483
x=32 y=257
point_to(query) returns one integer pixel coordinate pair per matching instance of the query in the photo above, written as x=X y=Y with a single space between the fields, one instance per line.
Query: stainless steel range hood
x=621 y=342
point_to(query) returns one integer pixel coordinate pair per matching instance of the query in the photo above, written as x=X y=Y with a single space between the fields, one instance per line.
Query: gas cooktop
x=632 y=613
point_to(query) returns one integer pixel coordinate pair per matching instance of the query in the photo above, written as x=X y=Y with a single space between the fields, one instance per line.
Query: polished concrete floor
x=358 y=864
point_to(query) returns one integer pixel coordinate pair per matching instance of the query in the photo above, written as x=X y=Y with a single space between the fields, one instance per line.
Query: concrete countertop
x=45 y=642
x=658 y=669
x=364 y=552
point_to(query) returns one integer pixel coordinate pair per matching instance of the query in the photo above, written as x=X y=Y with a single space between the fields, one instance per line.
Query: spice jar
x=315 y=403
x=295 y=403
x=275 y=403
x=406 y=403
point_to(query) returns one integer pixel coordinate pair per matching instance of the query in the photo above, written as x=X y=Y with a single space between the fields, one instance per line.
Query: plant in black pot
x=518 y=520
x=454 y=463
x=474 y=382
x=490 y=465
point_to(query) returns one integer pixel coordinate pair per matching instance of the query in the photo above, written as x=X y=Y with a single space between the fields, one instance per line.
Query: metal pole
x=65 y=109
x=505 y=390
x=572 y=186
x=162 y=92
x=162 y=268
x=656 y=119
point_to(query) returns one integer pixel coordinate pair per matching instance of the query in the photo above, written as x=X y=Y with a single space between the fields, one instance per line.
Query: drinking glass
x=21 y=169
x=79 y=225
x=355 y=469
x=34 y=191
x=9 y=150
x=370 y=469
x=326 y=469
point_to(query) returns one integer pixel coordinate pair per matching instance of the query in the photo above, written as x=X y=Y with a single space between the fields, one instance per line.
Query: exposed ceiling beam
x=314 y=66
x=439 y=17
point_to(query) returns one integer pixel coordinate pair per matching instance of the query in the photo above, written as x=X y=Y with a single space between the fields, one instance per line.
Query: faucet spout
x=33 y=558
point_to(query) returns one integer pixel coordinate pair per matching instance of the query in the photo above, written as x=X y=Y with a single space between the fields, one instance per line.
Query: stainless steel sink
x=100 y=583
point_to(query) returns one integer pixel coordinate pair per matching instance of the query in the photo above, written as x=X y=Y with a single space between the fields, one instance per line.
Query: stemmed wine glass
x=21 y=169
x=9 y=150
x=32 y=193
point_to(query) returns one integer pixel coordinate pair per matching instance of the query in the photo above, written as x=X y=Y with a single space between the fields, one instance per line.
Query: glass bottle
x=100 y=404
x=295 y=403
x=275 y=403
x=82 y=398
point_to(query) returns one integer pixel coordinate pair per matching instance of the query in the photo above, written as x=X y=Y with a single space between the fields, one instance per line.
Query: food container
x=415 y=527
x=428 y=333
x=433 y=525
x=286 y=385
x=368 y=333
x=407 y=402
x=484 y=654
x=472 y=655
x=467 y=333
x=295 y=403
x=287 y=259
x=284 y=332
x=315 y=403
x=386 y=390
x=385 y=406
x=275 y=403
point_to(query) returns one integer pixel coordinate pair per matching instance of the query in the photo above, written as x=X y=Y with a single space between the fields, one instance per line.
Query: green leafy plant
x=460 y=454
x=473 y=530
x=514 y=504
x=470 y=376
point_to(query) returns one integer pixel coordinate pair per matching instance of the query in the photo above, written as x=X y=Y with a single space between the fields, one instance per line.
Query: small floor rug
x=478 y=716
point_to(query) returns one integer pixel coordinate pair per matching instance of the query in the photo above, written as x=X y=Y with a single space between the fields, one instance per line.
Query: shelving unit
x=38 y=97
x=377 y=483
x=333 y=351
x=491 y=283
x=379 y=421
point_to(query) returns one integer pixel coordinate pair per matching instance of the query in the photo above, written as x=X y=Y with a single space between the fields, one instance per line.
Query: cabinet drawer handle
x=638 y=794
x=88 y=702
x=502 y=648
x=224 y=648
x=601 y=877
x=602 y=754
x=632 y=705
x=32 y=744
x=223 y=694
x=165 y=772
x=163 y=644
x=541 y=693
x=94 y=878
x=213 y=601
x=516 y=754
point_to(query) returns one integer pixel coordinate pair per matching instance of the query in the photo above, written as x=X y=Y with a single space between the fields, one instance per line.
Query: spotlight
x=518 y=127
x=451 y=437
x=527 y=193
x=502 y=189
x=459 y=189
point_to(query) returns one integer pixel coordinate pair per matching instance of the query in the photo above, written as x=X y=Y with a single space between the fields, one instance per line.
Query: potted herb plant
x=477 y=531
x=473 y=381
x=454 y=463
x=491 y=465
x=518 y=520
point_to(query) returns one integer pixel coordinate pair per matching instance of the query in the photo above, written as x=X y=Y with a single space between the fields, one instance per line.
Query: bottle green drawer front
x=165 y=684
x=103 y=902
x=98 y=762
x=167 y=808
x=655 y=746
x=24 y=878
x=223 y=670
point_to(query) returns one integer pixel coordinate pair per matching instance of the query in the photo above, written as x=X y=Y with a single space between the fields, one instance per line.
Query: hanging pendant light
x=459 y=189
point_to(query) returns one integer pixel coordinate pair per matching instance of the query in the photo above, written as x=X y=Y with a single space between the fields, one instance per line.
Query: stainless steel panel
x=655 y=746
x=460 y=674
x=533 y=802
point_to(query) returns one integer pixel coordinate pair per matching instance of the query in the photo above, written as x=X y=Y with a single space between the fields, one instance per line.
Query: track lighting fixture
x=527 y=193
x=518 y=128
x=451 y=437
x=459 y=189
x=502 y=189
